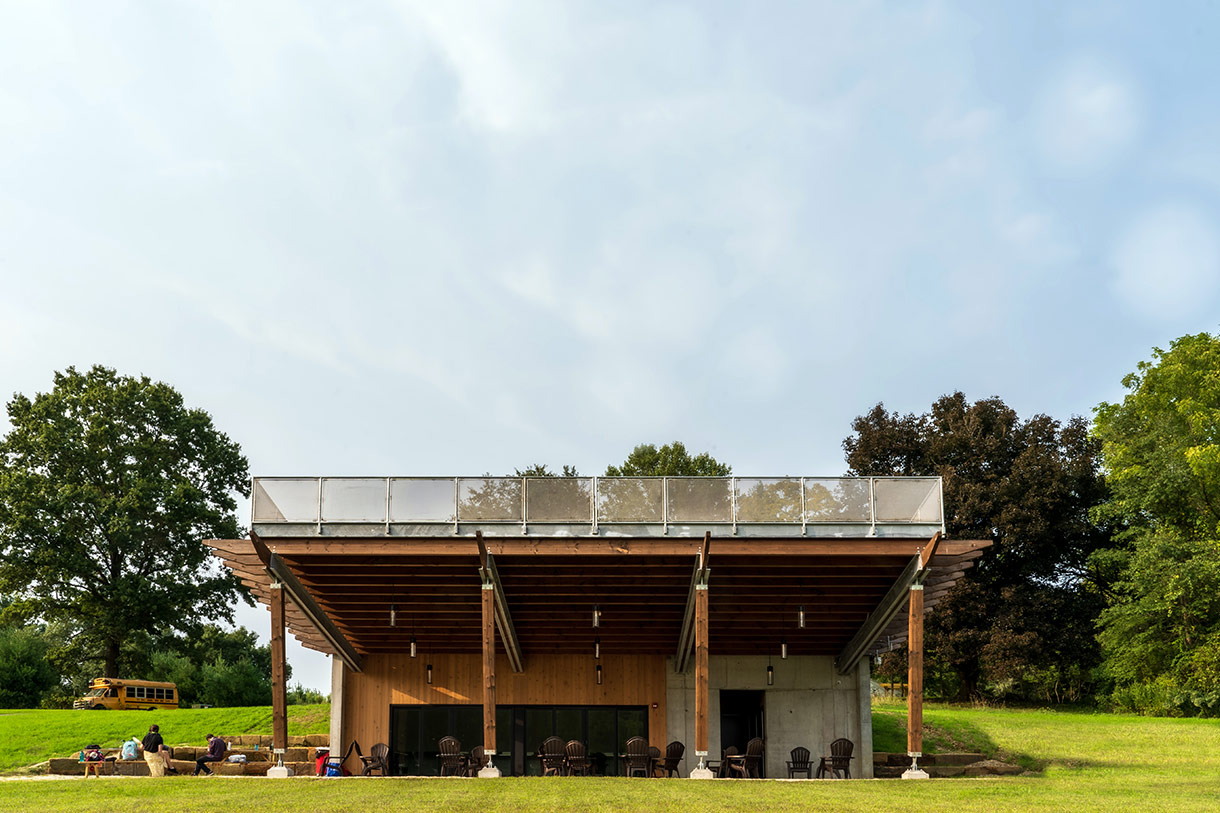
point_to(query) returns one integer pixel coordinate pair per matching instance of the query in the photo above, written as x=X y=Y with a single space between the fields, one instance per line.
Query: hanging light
x=597 y=616
x=770 y=675
x=393 y=616
x=800 y=616
x=412 y=646
x=429 y=674
x=597 y=648
x=783 y=649
x=599 y=674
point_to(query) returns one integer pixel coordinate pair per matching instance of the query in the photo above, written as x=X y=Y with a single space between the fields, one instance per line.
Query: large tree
x=1161 y=448
x=1020 y=622
x=671 y=460
x=108 y=485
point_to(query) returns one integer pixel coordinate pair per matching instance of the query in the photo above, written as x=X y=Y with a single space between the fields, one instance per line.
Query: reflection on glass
x=700 y=500
x=433 y=725
x=559 y=499
x=603 y=753
x=768 y=500
x=539 y=724
x=489 y=499
x=630 y=499
x=837 y=500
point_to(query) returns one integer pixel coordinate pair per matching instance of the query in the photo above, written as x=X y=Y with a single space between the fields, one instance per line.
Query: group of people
x=158 y=755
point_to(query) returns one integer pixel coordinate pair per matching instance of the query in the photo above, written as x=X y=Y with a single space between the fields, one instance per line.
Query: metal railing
x=598 y=501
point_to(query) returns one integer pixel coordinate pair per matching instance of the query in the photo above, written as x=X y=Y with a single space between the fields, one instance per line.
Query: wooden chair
x=377 y=760
x=654 y=760
x=839 y=761
x=747 y=765
x=721 y=767
x=552 y=756
x=798 y=762
x=452 y=761
x=637 y=756
x=673 y=756
x=477 y=762
x=577 y=758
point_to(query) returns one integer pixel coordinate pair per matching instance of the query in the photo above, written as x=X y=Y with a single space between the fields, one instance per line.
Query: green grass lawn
x=1086 y=762
x=28 y=736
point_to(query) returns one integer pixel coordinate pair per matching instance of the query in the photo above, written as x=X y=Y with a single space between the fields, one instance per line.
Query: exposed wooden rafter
x=504 y=620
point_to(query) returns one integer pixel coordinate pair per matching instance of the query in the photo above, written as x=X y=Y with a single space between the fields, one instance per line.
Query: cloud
x=1167 y=264
x=1086 y=118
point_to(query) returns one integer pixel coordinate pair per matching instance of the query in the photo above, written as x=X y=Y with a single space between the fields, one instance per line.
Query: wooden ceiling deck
x=640 y=586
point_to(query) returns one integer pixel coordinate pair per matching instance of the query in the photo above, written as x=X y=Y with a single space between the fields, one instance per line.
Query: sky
x=420 y=238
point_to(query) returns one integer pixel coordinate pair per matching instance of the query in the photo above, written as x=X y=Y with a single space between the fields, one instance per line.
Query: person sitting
x=156 y=753
x=92 y=756
x=216 y=753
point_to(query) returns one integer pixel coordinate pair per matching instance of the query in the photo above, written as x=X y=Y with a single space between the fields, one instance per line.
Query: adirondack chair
x=452 y=761
x=746 y=766
x=798 y=762
x=673 y=756
x=477 y=762
x=577 y=758
x=637 y=756
x=839 y=761
x=552 y=756
x=720 y=767
x=377 y=760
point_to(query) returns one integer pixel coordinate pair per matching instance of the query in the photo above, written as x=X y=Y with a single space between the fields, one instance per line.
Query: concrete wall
x=810 y=704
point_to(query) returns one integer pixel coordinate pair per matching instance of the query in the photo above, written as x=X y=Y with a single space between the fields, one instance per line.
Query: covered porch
x=689 y=609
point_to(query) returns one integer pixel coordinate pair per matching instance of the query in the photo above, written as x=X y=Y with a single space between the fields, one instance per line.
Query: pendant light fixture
x=800 y=616
x=599 y=674
x=597 y=648
x=429 y=674
x=783 y=649
x=393 y=616
x=597 y=616
x=770 y=675
x=412 y=646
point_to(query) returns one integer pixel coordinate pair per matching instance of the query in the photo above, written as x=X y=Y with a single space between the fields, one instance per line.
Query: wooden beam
x=701 y=674
x=279 y=688
x=915 y=673
x=504 y=620
x=698 y=577
x=877 y=620
x=489 y=670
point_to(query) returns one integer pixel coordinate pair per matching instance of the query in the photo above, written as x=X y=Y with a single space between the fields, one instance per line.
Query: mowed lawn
x=28 y=736
x=1085 y=762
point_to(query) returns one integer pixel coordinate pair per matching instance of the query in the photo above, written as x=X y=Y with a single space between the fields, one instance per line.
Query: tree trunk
x=111 y=667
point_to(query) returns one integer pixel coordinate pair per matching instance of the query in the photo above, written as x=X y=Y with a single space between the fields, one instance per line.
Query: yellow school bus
x=117 y=693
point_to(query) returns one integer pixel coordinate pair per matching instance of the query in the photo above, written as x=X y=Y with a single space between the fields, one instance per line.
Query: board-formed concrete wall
x=810 y=704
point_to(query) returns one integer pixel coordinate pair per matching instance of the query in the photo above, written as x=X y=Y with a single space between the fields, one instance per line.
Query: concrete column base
x=490 y=772
x=702 y=773
x=279 y=772
x=915 y=772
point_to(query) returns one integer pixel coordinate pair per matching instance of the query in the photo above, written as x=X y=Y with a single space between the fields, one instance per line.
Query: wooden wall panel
x=548 y=680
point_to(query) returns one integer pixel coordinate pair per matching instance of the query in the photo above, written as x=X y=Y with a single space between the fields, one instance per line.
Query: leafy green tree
x=25 y=674
x=216 y=667
x=1161 y=447
x=108 y=485
x=671 y=460
x=1027 y=485
x=542 y=470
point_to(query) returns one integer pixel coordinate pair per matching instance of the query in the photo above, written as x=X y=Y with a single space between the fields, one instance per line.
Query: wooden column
x=915 y=673
x=701 y=693
x=489 y=669
x=279 y=691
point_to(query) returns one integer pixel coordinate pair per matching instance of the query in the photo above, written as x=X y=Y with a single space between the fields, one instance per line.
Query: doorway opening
x=741 y=720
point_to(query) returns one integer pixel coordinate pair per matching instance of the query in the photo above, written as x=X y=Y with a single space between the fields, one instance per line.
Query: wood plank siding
x=548 y=680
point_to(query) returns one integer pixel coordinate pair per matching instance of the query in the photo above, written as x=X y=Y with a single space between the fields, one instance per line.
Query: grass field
x=28 y=736
x=1086 y=762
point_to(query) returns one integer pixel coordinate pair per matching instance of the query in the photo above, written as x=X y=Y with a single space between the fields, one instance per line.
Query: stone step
x=138 y=767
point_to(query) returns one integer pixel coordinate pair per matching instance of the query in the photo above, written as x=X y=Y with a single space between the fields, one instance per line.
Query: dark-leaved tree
x=108 y=485
x=1021 y=621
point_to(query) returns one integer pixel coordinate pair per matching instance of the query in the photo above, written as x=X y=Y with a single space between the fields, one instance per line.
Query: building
x=506 y=610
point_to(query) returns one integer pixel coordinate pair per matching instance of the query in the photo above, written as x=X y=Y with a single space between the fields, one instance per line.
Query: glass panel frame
x=285 y=499
x=630 y=500
x=489 y=499
x=769 y=499
x=349 y=499
x=903 y=500
x=423 y=499
x=699 y=499
x=838 y=500
x=559 y=499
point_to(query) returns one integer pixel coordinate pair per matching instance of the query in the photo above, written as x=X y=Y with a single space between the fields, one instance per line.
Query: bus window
x=169 y=694
x=112 y=692
x=131 y=691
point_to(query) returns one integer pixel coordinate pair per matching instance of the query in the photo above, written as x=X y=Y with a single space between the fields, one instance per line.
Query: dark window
x=131 y=691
